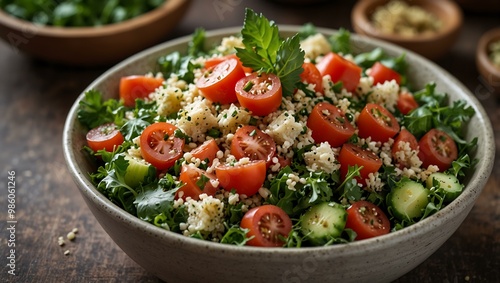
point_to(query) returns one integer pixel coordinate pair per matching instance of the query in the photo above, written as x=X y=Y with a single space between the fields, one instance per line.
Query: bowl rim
x=473 y=189
x=362 y=22
x=144 y=19
x=482 y=52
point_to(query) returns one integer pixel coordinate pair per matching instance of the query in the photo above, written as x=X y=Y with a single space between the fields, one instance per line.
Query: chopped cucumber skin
x=323 y=222
x=448 y=183
x=137 y=170
x=408 y=200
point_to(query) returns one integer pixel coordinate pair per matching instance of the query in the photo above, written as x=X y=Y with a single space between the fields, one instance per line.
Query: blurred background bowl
x=490 y=72
x=92 y=46
x=432 y=46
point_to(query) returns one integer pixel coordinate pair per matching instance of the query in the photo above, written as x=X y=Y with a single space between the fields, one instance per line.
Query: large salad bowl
x=176 y=258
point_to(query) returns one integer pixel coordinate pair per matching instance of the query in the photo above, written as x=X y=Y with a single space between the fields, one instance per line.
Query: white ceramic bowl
x=175 y=258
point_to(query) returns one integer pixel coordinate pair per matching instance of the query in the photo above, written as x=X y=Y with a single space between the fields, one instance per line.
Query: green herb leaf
x=265 y=52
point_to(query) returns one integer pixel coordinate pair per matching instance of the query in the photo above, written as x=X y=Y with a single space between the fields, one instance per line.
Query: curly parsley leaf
x=435 y=112
x=235 y=236
x=196 y=46
x=341 y=41
x=93 y=111
x=265 y=52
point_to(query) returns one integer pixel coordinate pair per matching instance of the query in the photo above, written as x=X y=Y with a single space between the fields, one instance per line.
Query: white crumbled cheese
x=229 y=44
x=229 y=119
x=385 y=94
x=196 y=119
x=284 y=129
x=315 y=45
x=205 y=215
x=322 y=157
x=168 y=99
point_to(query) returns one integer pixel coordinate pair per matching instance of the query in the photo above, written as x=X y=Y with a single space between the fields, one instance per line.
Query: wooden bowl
x=432 y=46
x=92 y=46
x=490 y=72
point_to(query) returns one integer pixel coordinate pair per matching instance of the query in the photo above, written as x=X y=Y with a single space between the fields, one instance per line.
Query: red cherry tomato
x=403 y=136
x=195 y=182
x=380 y=74
x=217 y=83
x=210 y=62
x=376 y=122
x=246 y=179
x=351 y=155
x=159 y=146
x=207 y=150
x=367 y=220
x=311 y=75
x=341 y=70
x=329 y=124
x=105 y=137
x=249 y=141
x=260 y=94
x=268 y=225
x=406 y=103
x=137 y=87
x=437 y=148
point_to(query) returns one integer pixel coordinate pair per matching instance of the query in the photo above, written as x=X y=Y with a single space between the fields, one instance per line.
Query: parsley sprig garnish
x=266 y=52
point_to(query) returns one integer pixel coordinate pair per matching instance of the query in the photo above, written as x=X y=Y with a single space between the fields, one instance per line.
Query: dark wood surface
x=36 y=96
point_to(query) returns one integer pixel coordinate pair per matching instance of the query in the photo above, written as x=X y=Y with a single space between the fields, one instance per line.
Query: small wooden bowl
x=92 y=46
x=490 y=72
x=432 y=46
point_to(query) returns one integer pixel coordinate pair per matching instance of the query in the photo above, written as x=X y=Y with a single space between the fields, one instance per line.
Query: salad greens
x=153 y=199
x=77 y=13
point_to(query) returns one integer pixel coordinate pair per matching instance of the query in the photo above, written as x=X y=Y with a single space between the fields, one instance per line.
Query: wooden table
x=36 y=96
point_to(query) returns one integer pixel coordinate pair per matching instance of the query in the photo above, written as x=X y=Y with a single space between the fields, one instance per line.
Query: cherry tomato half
x=268 y=225
x=341 y=70
x=217 y=83
x=406 y=103
x=195 y=182
x=311 y=75
x=380 y=74
x=246 y=179
x=403 y=136
x=329 y=124
x=437 y=148
x=249 y=141
x=207 y=150
x=137 y=87
x=159 y=146
x=367 y=220
x=260 y=94
x=106 y=136
x=210 y=62
x=351 y=155
x=376 y=122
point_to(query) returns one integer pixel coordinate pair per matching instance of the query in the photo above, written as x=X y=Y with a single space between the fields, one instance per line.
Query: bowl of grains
x=488 y=58
x=429 y=28
x=165 y=208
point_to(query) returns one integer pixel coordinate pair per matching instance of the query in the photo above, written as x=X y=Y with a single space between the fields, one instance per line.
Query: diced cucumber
x=136 y=171
x=408 y=200
x=323 y=222
x=448 y=183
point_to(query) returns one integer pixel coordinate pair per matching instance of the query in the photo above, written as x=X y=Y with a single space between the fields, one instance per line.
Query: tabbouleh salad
x=270 y=141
